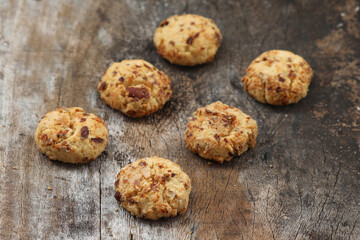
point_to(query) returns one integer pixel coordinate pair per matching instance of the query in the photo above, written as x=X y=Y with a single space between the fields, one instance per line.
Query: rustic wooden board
x=300 y=182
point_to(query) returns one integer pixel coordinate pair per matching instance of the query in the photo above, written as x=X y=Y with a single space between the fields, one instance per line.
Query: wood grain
x=300 y=182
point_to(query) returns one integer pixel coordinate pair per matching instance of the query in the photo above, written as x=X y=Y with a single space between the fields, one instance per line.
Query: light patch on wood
x=104 y=37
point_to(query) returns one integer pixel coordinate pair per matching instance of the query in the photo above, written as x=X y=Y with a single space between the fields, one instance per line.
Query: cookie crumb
x=339 y=25
x=15 y=168
x=49 y=188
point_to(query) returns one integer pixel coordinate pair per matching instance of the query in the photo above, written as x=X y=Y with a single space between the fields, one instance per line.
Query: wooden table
x=300 y=182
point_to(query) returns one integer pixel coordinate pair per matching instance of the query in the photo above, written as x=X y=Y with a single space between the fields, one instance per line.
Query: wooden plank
x=301 y=180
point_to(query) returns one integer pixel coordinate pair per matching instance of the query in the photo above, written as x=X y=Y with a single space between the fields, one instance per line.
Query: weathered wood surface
x=300 y=182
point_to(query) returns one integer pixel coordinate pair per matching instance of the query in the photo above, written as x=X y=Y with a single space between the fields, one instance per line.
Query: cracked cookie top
x=187 y=39
x=135 y=87
x=278 y=77
x=219 y=132
x=153 y=188
x=71 y=135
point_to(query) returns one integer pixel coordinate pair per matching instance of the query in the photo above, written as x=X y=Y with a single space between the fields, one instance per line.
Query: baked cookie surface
x=153 y=188
x=187 y=39
x=278 y=77
x=71 y=135
x=219 y=132
x=135 y=87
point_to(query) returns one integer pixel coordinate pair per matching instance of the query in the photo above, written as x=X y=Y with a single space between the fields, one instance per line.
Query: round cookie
x=135 y=87
x=153 y=188
x=278 y=77
x=187 y=39
x=219 y=132
x=71 y=135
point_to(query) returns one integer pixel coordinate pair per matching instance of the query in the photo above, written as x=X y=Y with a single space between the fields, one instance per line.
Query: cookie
x=135 y=87
x=187 y=39
x=278 y=77
x=153 y=188
x=71 y=135
x=220 y=132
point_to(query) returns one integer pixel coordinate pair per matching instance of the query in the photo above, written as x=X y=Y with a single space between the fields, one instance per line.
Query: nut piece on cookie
x=71 y=135
x=187 y=39
x=153 y=188
x=220 y=132
x=278 y=77
x=135 y=87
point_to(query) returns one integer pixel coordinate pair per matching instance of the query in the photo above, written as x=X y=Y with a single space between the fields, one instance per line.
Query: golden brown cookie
x=135 y=87
x=71 y=135
x=153 y=188
x=278 y=77
x=187 y=39
x=219 y=132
